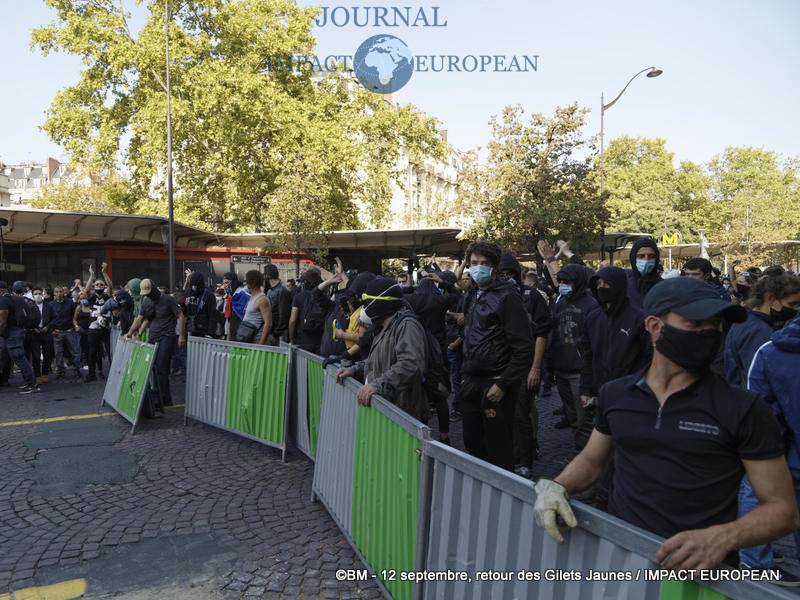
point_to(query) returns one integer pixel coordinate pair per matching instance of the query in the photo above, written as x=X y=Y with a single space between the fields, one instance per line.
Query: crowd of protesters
x=662 y=378
x=679 y=387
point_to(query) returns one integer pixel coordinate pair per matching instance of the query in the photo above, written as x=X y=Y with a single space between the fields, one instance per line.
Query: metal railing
x=128 y=376
x=368 y=474
x=241 y=388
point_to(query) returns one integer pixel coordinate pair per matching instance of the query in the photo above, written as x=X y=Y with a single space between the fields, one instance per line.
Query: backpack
x=27 y=314
x=435 y=377
x=313 y=318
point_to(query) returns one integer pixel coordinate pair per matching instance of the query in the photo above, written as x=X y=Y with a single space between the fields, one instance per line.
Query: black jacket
x=569 y=323
x=497 y=338
x=280 y=300
x=201 y=308
x=616 y=342
x=60 y=315
x=431 y=306
x=638 y=284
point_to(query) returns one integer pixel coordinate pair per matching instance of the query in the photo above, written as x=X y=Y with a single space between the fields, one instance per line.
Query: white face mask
x=38 y=299
x=363 y=317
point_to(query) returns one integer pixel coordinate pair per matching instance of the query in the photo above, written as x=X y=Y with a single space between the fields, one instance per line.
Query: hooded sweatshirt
x=638 y=284
x=134 y=288
x=616 y=342
x=569 y=321
x=773 y=374
x=535 y=304
x=201 y=307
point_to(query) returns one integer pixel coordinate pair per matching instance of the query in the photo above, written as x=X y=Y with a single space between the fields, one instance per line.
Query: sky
x=730 y=77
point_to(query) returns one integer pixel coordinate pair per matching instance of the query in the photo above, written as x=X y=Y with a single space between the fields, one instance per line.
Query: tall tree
x=539 y=180
x=648 y=194
x=248 y=138
x=755 y=200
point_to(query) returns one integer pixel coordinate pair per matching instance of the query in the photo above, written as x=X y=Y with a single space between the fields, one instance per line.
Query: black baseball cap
x=690 y=298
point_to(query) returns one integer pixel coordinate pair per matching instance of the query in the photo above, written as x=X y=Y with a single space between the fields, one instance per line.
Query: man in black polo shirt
x=682 y=438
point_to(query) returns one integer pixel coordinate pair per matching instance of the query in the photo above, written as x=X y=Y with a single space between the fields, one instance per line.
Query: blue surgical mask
x=564 y=289
x=645 y=266
x=194 y=288
x=85 y=302
x=481 y=274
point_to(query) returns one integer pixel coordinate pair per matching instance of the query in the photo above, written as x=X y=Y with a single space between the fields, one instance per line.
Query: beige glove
x=552 y=501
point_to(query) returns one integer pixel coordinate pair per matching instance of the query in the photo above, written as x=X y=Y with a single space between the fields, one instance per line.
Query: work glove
x=334 y=358
x=552 y=501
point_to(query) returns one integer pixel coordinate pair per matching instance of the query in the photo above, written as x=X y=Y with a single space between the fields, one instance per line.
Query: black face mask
x=781 y=317
x=742 y=290
x=607 y=295
x=693 y=351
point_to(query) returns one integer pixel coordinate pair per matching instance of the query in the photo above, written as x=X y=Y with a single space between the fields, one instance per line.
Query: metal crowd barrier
x=481 y=519
x=368 y=474
x=306 y=401
x=241 y=388
x=127 y=379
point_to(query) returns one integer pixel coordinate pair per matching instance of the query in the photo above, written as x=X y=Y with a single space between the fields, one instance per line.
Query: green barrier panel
x=687 y=590
x=134 y=381
x=385 y=497
x=257 y=393
x=315 y=376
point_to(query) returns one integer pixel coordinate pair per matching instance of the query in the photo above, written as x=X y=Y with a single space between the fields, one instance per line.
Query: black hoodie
x=638 y=284
x=569 y=322
x=616 y=343
x=535 y=304
x=201 y=307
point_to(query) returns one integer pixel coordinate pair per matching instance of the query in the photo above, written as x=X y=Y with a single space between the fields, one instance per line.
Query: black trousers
x=95 y=340
x=488 y=426
x=41 y=356
x=526 y=425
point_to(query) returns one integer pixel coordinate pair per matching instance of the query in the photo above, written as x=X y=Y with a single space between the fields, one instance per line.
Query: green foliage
x=534 y=185
x=647 y=194
x=110 y=197
x=755 y=198
x=253 y=148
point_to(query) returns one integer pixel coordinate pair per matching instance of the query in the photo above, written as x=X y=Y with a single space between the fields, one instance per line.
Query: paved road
x=178 y=512
x=171 y=512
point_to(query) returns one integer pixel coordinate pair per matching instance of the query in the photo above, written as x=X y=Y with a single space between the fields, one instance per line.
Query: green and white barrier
x=241 y=388
x=127 y=380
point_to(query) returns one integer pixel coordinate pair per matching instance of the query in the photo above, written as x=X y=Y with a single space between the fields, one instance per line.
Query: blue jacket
x=773 y=374
x=741 y=344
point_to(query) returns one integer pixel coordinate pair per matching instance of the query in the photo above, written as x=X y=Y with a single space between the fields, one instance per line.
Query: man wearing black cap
x=682 y=438
x=398 y=355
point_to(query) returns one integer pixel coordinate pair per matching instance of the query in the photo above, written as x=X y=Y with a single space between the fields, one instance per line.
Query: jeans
x=488 y=426
x=569 y=388
x=454 y=358
x=179 y=359
x=15 y=345
x=60 y=340
x=166 y=348
x=758 y=557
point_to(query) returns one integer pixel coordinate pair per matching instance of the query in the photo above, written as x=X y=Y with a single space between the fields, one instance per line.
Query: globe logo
x=383 y=64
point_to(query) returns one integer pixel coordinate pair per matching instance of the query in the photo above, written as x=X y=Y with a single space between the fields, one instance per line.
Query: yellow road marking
x=66 y=590
x=66 y=418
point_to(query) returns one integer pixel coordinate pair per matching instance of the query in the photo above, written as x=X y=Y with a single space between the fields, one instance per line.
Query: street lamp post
x=171 y=219
x=652 y=72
